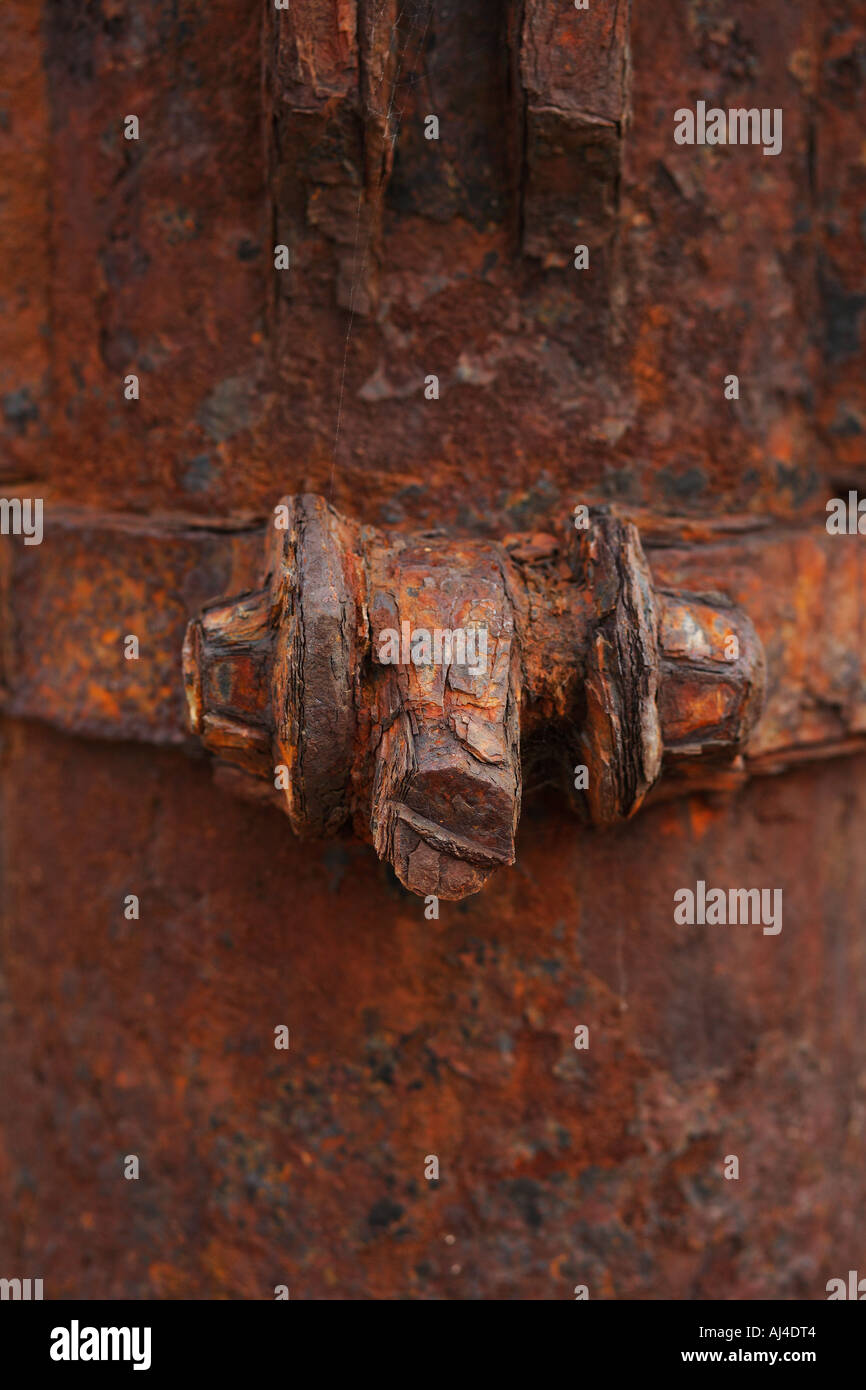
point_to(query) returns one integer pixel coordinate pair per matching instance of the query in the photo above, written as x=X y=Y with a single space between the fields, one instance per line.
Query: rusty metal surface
x=575 y=75
x=71 y=600
x=306 y=678
x=556 y=381
x=70 y=603
x=411 y=1036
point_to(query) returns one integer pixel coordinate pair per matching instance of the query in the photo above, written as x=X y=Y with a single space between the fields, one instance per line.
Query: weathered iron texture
x=557 y=386
x=425 y=758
